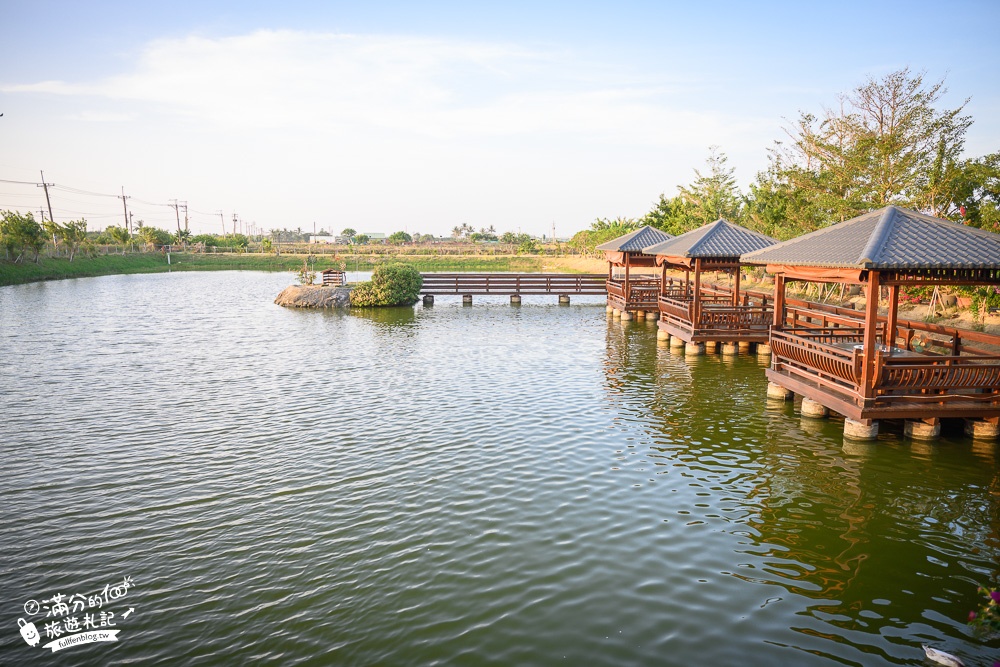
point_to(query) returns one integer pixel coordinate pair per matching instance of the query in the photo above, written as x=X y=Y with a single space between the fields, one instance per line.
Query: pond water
x=476 y=485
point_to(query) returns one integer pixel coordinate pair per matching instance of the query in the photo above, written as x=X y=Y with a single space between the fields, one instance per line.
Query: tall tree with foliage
x=20 y=233
x=714 y=194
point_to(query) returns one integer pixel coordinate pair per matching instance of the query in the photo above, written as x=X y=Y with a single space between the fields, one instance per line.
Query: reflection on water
x=524 y=485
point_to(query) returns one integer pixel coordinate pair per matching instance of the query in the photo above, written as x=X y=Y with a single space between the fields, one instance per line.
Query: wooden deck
x=639 y=293
x=562 y=284
x=714 y=317
x=955 y=373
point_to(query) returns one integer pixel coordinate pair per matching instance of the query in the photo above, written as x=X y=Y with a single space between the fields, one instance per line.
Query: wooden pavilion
x=628 y=293
x=874 y=368
x=696 y=314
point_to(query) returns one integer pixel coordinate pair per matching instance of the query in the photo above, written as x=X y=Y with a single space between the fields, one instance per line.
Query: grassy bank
x=83 y=267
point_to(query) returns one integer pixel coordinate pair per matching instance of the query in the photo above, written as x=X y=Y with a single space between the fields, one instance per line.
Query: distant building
x=375 y=237
x=322 y=238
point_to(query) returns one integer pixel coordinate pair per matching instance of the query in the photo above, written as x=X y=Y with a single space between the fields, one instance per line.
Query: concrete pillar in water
x=640 y=314
x=744 y=347
x=694 y=349
x=616 y=313
x=428 y=300
x=859 y=430
x=729 y=349
x=776 y=391
x=609 y=309
x=676 y=342
x=563 y=299
x=811 y=408
x=626 y=316
x=980 y=429
x=920 y=430
x=662 y=335
x=466 y=299
x=515 y=299
x=711 y=346
x=763 y=350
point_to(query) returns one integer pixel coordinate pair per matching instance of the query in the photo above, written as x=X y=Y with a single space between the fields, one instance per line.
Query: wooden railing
x=513 y=283
x=334 y=278
x=832 y=357
x=814 y=354
x=642 y=293
x=936 y=338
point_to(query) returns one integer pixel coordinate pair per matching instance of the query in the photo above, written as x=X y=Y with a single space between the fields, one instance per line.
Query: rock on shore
x=314 y=296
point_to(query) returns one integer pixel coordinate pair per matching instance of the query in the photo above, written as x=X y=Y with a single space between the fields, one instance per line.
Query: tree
x=361 y=239
x=73 y=235
x=349 y=233
x=20 y=233
x=120 y=235
x=399 y=238
x=183 y=236
x=713 y=195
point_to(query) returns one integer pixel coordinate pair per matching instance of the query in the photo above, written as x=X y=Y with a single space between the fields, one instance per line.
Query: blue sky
x=424 y=116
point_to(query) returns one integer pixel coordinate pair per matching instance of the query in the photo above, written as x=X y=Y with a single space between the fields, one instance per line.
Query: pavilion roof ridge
x=721 y=238
x=635 y=241
x=888 y=238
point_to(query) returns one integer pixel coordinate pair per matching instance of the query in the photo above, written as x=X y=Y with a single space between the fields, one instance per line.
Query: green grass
x=55 y=268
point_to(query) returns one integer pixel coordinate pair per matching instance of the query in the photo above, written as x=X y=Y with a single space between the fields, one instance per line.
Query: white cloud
x=425 y=87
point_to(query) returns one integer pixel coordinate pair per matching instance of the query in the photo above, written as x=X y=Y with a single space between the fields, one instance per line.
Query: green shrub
x=391 y=285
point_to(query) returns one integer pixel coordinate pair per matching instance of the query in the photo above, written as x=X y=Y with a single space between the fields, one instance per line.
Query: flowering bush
x=391 y=285
x=988 y=616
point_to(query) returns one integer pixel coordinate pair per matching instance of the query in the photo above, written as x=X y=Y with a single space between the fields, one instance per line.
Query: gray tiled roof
x=717 y=239
x=635 y=241
x=889 y=238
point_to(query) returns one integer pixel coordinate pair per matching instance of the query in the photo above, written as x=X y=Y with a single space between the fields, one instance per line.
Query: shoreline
x=59 y=268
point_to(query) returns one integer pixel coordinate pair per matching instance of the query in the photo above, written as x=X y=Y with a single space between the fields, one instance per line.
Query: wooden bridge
x=513 y=284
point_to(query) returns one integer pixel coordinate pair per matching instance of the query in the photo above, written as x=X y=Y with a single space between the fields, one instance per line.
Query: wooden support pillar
x=779 y=301
x=871 y=326
x=628 y=291
x=892 y=316
x=736 y=288
x=696 y=311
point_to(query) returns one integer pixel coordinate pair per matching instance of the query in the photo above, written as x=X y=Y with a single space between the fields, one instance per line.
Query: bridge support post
x=922 y=430
x=466 y=299
x=776 y=391
x=861 y=430
x=730 y=349
x=661 y=334
x=744 y=347
x=711 y=346
x=763 y=350
x=676 y=342
x=981 y=429
x=694 y=349
x=563 y=299
x=626 y=316
x=428 y=300
x=515 y=299
x=813 y=409
x=609 y=309
x=640 y=314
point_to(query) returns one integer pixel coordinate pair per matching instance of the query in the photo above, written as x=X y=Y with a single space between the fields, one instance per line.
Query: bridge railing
x=514 y=283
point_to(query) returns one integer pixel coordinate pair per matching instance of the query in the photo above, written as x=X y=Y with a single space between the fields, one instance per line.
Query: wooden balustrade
x=513 y=283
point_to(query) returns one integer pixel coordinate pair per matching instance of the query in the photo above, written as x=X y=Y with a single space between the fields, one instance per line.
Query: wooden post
x=663 y=278
x=871 y=324
x=736 y=288
x=779 y=301
x=892 y=316
x=696 y=311
x=628 y=295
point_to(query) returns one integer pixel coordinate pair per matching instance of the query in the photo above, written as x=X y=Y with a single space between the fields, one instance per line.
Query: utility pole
x=223 y=221
x=128 y=224
x=41 y=214
x=185 y=205
x=234 y=224
x=45 y=185
x=177 y=214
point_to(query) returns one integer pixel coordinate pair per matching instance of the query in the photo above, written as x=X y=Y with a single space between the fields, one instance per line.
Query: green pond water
x=478 y=485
